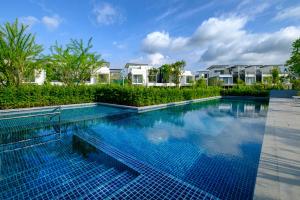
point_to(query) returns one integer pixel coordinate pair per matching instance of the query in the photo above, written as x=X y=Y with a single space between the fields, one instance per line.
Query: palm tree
x=74 y=63
x=19 y=53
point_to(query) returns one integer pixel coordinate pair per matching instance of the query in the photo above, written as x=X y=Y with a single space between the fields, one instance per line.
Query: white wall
x=101 y=70
x=139 y=70
x=39 y=77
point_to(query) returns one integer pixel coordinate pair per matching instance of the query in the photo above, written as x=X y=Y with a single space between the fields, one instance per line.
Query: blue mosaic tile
x=84 y=164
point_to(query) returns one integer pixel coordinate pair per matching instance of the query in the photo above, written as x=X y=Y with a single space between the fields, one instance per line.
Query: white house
x=40 y=77
x=202 y=74
x=265 y=72
x=250 y=73
x=221 y=73
x=137 y=73
x=101 y=75
x=187 y=78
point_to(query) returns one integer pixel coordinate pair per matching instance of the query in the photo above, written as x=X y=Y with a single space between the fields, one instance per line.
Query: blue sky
x=200 y=32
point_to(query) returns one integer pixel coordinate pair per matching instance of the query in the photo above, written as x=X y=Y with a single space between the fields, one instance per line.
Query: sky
x=201 y=32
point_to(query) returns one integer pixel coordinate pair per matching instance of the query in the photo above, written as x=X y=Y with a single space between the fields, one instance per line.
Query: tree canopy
x=172 y=72
x=73 y=63
x=177 y=69
x=19 y=53
x=294 y=62
x=275 y=75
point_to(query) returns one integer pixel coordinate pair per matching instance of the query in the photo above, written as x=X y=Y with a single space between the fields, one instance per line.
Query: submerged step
x=22 y=177
x=31 y=189
x=68 y=185
x=110 y=186
x=92 y=183
x=24 y=159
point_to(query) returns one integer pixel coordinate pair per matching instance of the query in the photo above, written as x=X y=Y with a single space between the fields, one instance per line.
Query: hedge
x=46 y=95
x=246 y=91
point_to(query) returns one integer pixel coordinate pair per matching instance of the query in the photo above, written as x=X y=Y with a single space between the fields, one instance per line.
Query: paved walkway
x=279 y=168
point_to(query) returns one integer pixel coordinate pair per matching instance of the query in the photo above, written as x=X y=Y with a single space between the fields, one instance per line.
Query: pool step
x=92 y=183
x=22 y=177
x=45 y=168
x=109 y=187
x=51 y=193
x=36 y=186
x=20 y=160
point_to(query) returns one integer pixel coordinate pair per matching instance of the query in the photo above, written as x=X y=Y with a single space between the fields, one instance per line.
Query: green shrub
x=256 y=91
x=46 y=95
x=296 y=84
x=34 y=95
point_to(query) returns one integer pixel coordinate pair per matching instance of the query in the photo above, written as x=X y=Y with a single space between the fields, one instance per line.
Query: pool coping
x=134 y=108
x=278 y=175
x=160 y=106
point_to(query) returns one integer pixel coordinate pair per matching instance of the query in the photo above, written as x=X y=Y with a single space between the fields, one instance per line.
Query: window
x=226 y=80
x=103 y=78
x=189 y=79
x=137 y=79
x=250 y=80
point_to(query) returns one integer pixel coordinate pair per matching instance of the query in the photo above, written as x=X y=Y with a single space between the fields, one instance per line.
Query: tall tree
x=19 y=53
x=166 y=71
x=294 y=62
x=177 y=69
x=74 y=63
x=275 y=75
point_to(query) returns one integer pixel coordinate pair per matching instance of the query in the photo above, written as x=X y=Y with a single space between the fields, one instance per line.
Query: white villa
x=222 y=73
x=140 y=74
x=250 y=74
x=147 y=75
x=101 y=75
x=38 y=78
x=137 y=73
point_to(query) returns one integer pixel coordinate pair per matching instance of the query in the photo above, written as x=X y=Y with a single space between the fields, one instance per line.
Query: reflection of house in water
x=225 y=107
x=242 y=109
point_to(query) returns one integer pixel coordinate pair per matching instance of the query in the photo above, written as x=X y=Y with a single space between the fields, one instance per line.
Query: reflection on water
x=82 y=147
x=226 y=135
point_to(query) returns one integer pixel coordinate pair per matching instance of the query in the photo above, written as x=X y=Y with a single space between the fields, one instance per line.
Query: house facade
x=147 y=75
x=220 y=73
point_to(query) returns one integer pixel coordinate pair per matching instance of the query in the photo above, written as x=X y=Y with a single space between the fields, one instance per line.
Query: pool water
x=214 y=145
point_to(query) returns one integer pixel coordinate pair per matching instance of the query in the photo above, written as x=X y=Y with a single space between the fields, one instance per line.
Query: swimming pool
x=213 y=146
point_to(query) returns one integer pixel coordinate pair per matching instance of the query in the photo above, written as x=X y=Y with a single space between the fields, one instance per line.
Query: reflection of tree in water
x=82 y=147
x=174 y=115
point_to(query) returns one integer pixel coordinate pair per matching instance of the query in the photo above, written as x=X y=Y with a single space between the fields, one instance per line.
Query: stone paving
x=279 y=168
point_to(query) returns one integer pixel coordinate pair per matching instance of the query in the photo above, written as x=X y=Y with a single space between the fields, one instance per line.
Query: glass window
x=189 y=79
x=250 y=80
x=137 y=78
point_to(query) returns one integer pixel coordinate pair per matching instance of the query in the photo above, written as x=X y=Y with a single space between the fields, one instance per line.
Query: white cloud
x=156 y=41
x=222 y=30
x=29 y=20
x=119 y=45
x=156 y=59
x=106 y=14
x=223 y=41
x=289 y=13
x=159 y=41
x=52 y=22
